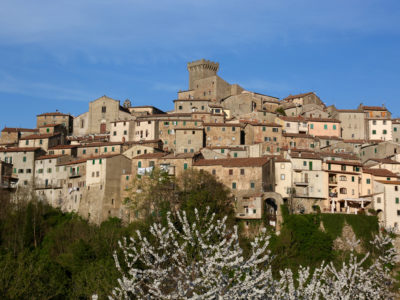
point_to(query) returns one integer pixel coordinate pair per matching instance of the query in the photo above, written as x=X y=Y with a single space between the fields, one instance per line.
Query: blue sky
x=63 y=54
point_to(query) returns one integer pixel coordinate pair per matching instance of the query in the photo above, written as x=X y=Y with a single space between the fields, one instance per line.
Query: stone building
x=352 y=123
x=246 y=177
x=225 y=134
x=189 y=140
x=308 y=182
x=44 y=141
x=96 y=149
x=386 y=202
x=379 y=150
x=303 y=99
x=324 y=127
x=56 y=118
x=12 y=135
x=102 y=197
x=7 y=181
x=294 y=125
x=260 y=132
x=23 y=160
x=396 y=130
x=122 y=131
x=301 y=141
x=71 y=150
x=344 y=182
x=146 y=130
x=102 y=112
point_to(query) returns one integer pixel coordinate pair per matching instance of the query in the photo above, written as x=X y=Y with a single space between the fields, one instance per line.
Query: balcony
x=301 y=182
x=74 y=175
x=333 y=181
x=333 y=195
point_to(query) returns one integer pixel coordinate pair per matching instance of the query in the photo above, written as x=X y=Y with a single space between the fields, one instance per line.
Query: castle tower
x=200 y=69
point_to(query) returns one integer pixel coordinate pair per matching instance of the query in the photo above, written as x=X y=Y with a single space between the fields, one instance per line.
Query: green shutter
x=185 y=166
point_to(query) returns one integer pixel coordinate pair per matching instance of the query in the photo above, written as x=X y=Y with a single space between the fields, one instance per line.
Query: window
x=97 y=175
x=24 y=159
x=384 y=131
x=233 y=185
x=41 y=142
x=27 y=142
x=114 y=133
x=29 y=171
x=84 y=151
x=311 y=126
x=222 y=150
x=274 y=129
x=105 y=149
x=235 y=154
x=368 y=181
x=103 y=109
x=112 y=149
x=378 y=200
x=100 y=161
x=343 y=178
x=352 y=179
x=233 y=128
x=252 y=185
x=264 y=128
x=230 y=172
x=93 y=161
x=343 y=191
x=334 y=127
x=304 y=164
x=394 y=129
x=49 y=170
x=396 y=188
x=139 y=164
x=282 y=176
x=374 y=122
x=373 y=131
x=398 y=212
x=325 y=126
x=223 y=128
x=343 y=167
x=213 y=172
x=96 y=150
x=185 y=166
x=241 y=171
x=397 y=200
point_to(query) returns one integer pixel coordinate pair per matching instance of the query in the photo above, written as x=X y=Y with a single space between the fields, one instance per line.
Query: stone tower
x=200 y=69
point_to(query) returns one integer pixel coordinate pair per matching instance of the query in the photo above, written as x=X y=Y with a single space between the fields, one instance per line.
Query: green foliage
x=280 y=110
x=333 y=224
x=301 y=243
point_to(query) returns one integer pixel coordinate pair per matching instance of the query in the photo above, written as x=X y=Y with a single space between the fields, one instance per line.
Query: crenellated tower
x=200 y=69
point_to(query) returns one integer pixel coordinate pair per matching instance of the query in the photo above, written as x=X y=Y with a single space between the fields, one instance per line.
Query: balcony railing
x=303 y=181
x=333 y=195
x=332 y=181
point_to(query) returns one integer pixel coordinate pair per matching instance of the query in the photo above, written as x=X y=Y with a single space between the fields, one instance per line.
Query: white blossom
x=203 y=260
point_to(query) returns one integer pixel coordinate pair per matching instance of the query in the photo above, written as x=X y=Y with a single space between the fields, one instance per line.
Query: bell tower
x=200 y=69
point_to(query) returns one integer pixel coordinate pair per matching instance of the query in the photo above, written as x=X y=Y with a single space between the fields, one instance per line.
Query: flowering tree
x=203 y=260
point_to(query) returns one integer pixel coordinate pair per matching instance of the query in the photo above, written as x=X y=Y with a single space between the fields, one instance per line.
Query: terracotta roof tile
x=9 y=129
x=233 y=162
x=20 y=149
x=50 y=156
x=378 y=108
x=40 y=136
x=63 y=147
x=53 y=114
x=379 y=172
x=323 y=120
x=290 y=97
x=343 y=162
x=395 y=182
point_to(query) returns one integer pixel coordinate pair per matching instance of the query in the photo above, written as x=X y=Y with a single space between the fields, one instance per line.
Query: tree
x=147 y=193
x=203 y=260
x=280 y=110
x=185 y=261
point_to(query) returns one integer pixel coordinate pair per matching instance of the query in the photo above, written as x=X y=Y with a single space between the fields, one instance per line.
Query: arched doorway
x=272 y=213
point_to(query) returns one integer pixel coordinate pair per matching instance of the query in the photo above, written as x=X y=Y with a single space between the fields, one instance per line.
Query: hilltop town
x=268 y=151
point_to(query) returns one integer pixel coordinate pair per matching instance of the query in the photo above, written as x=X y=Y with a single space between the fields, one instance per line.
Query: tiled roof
x=8 y=129
x=53 y=114
x=233 y=162
x=180 y=155
x=63 y=147
x=384 y=160
x=342 y=162
x=151 y=155
x=255 y=123
x=307 y=155
x=49 y=125
x=349 y=110
x=40 y=136
x=290 y=97
x=323 y=120
x=20 y=149
x=292 y=119
x=100 y=144
x=395 y=182
x=379 y=172
x=326 y=137
x=50 y=156
x=380 y=108
x=341 y=155
x=297 y=135
x=222 y=124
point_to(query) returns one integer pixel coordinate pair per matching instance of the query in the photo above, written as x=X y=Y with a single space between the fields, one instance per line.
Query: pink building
x=324 y=127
